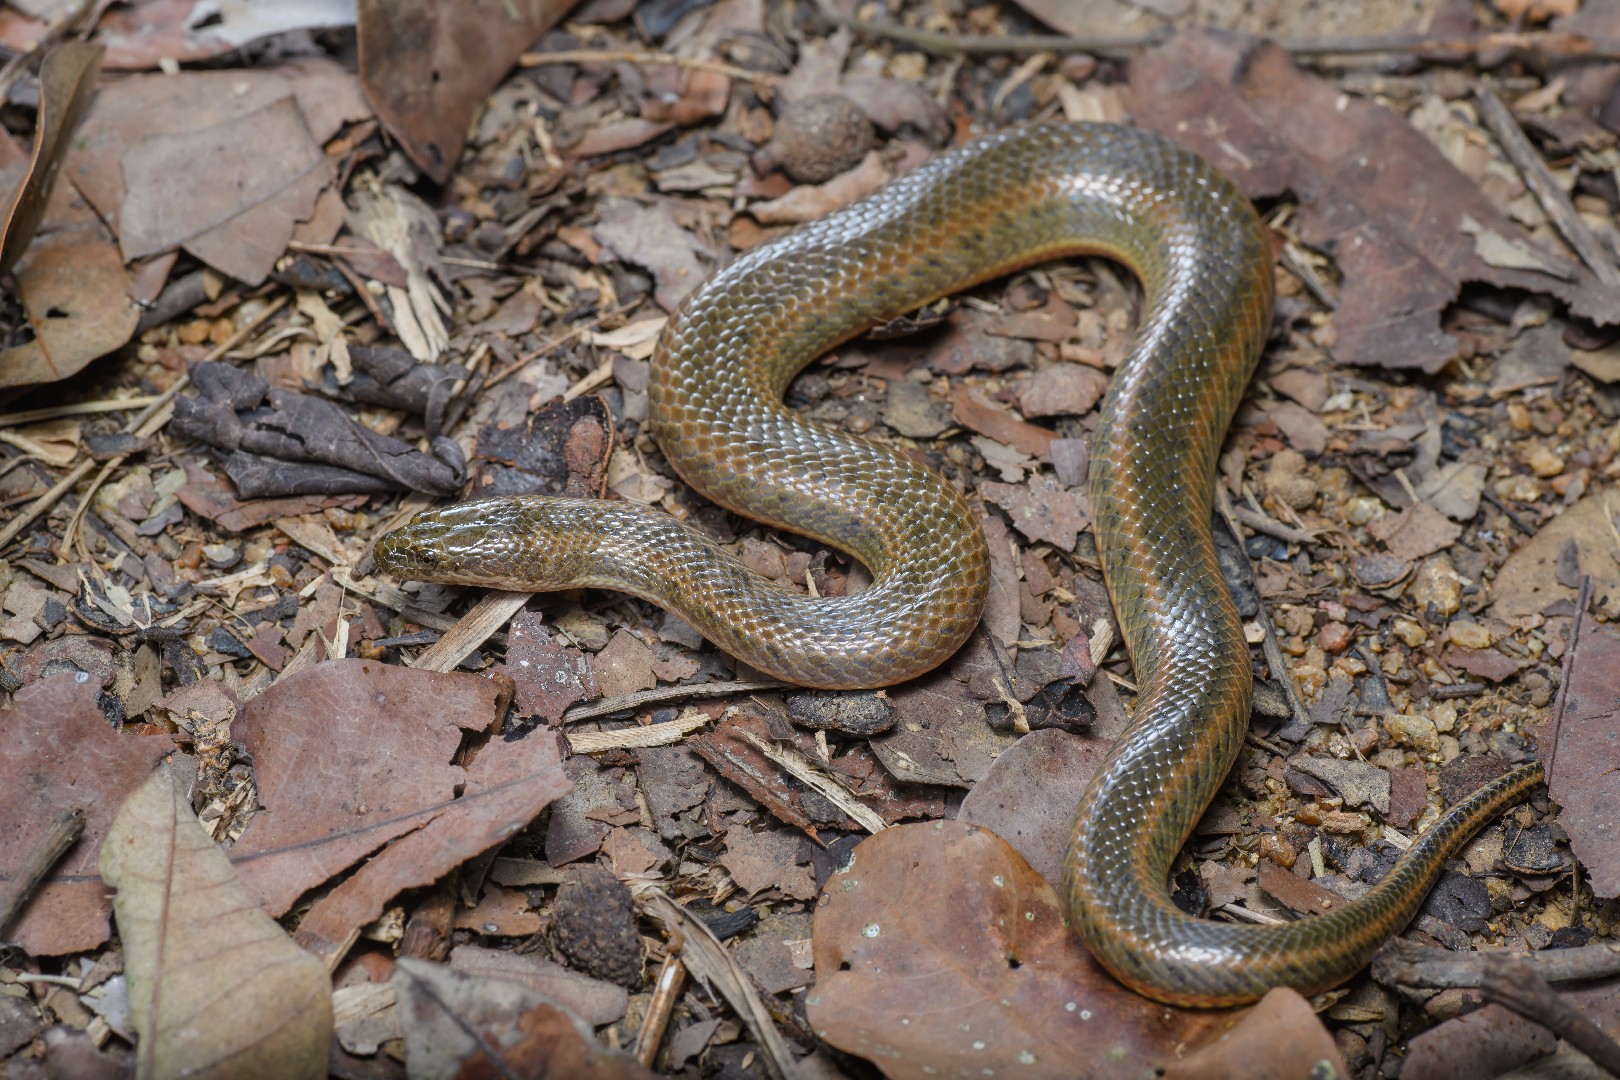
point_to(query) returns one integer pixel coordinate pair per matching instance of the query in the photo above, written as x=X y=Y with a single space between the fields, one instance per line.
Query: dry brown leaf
x=428 y=67
x=74 y=287
x=471 y=1027
x=1279 y=1039
x=1584 y=780
x=953 y=908
x=181 y=912
x=59 y=753
x=1373 y=192
x=141 y=36
x=349 y=755
x=228 y=193
x=1529 y=581
x=67 y=79
x=508 y=783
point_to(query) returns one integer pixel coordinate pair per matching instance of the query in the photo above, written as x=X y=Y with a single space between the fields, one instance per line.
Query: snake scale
x=1002 y=202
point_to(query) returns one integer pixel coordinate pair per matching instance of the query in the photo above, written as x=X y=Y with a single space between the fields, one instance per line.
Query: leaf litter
x=1418 y=540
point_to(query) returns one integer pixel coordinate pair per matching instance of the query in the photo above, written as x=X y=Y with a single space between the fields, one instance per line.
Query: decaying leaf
x=954 y=908
x=216 y=988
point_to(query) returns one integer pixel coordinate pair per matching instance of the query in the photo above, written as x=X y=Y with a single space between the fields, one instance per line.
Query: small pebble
x=1542 y=461
x=1335 y=637
x=1470 y=635
x=1411 y=633
x=1416 y=732
x=1275 y=847
x=1438 y=585
x=1518 y=488
x=221 y=556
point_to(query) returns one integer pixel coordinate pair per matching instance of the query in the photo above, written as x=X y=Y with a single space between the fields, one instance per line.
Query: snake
x=1002 y=202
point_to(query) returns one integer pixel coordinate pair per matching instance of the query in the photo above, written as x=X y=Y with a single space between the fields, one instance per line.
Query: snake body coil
x=1002 y=202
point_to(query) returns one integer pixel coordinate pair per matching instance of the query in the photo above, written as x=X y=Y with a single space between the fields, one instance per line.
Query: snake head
x=469 y=544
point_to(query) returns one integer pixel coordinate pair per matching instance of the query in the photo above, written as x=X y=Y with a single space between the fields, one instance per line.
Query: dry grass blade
x=266 y=1011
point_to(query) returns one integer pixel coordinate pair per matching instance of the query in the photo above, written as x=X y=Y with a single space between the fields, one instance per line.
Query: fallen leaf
x=1029 y=795
x=508 y=782
x=975 y=412
x=228 y=193
x=940 y=735
x=460 y=1025
x=1417 y=531
x=180 y=910
x=547 y=677
x=1528 y=582
x=766 y=859
x=60 y=753
x=807 y=202
x=595 y=1001
x=1491 y=1041
x=388 y=732
x=75 y=289
x=648 y=237
x=427 y=68
x=1373 y=192
x=954 y=908
x=1042 y=509
x=1281 y=1038
x=67 y=79
x=1583 y=778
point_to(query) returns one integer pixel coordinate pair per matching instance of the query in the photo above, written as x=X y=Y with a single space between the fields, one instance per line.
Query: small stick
x=1123 y=45
x=1402 y=963
x=646 y=59
x=1582 y=602
x=666 y=992
x=1514 y=982
x=1516 y=145
x=59 y=835
x=629 y=702
x=1268 y=642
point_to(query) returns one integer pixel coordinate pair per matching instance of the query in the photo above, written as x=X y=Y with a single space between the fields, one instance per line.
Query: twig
x=647 y=59
x=1401 y=963
x=1122 y=45
x=1513 y=981
x=1582 y=602
x=1514 y=143
x=666 y=993
x=59 y=835
x=630 y=702
x=1260 y=523
x=488 y=614
x=1268 y=639
x=709 y=962
x=632 y=738
x=83 y=408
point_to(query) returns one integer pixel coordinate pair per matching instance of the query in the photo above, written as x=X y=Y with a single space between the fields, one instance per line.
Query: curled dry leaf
x=955 y=909
x=181 y=912
x=67 y=79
